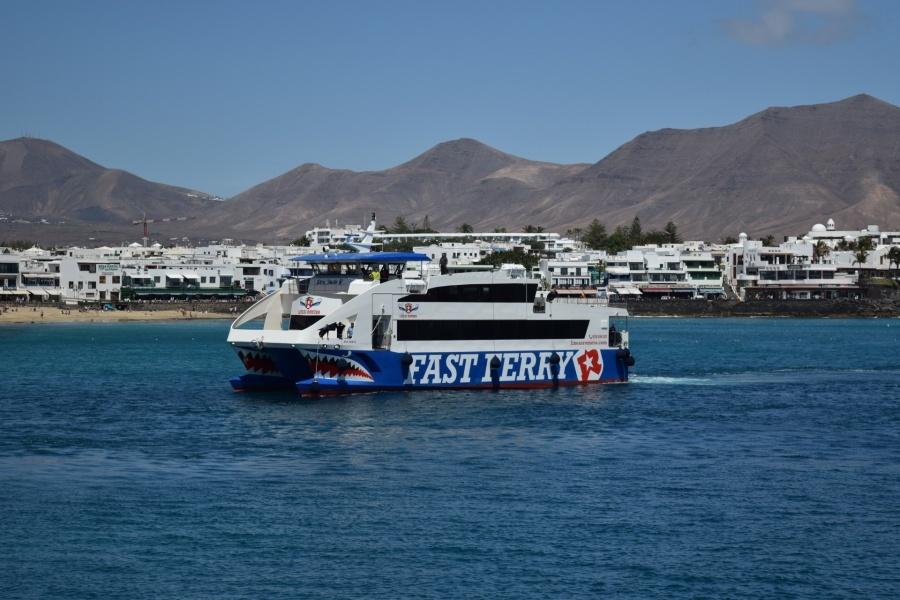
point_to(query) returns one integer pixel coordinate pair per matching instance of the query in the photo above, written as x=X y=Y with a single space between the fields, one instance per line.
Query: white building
x=572 y=270
x=786 y=271
x=831 y=235
x=457 y=253
x=320 y=237
x=670 y=271
x=10 y=276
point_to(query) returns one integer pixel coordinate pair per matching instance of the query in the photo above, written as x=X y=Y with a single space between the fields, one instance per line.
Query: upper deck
x=408 y=306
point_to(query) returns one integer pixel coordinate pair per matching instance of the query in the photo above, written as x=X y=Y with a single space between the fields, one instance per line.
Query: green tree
x=635 y=233
x=398 y=246
x=18 y=245
x=728 y=240
x=893 y=256
x=865 y=243
x=499 y=229
x=619 y=240
x=859 y=258
x=533 y=229
x=671 y=230
x=465 y=228
x=575 y=233
x=595 y=235
x=769 y=240
x=400 y=226
x=510 y=256
x=426 y=226
x=655 y=237
x=303 y=241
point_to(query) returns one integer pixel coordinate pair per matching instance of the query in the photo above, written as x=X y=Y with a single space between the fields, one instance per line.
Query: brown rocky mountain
x=43 y=180
x=452 y=183
x=778 y=171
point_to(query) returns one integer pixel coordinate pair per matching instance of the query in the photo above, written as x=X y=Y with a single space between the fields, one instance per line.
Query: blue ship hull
x=312 y=371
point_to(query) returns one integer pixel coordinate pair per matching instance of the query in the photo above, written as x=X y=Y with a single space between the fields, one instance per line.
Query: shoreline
x=24 y=315
x=885 y=308
x=774 y=309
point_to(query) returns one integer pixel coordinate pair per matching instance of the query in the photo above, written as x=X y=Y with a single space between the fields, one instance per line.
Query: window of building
x=103 y=279
x=212 y=279
x=156 y=278
x=116 y=279
x=92 y=285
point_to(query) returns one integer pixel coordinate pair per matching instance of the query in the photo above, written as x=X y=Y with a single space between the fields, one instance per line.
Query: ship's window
x=498 y=292
x=421 y=330
x=303 y=321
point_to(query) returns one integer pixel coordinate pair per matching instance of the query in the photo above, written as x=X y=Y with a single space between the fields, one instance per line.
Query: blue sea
x=747 y=458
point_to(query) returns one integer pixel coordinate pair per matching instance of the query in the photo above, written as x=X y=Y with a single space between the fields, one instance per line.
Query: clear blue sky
x=221 y=95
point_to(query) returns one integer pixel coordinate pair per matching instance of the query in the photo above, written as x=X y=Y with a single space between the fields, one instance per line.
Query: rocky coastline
x=864 y=308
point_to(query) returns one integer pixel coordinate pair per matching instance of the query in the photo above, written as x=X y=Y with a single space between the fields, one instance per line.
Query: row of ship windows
x=489 y=329
x=482 y=329
x=499 y=292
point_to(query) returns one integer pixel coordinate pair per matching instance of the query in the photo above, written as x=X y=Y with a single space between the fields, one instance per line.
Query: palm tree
x=859 y=258
x=820 y=251
x=844 y=245
x=893 y=256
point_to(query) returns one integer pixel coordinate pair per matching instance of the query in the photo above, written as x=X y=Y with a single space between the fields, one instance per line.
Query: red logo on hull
x=588 y=363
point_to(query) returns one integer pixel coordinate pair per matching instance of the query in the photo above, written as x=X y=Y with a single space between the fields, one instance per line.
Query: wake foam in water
x=780 y=376
x=657 y=380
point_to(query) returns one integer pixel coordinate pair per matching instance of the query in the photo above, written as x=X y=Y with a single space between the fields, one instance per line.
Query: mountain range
x=777 y=171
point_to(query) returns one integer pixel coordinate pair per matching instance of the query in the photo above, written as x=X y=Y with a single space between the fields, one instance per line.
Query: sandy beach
x=56 y=315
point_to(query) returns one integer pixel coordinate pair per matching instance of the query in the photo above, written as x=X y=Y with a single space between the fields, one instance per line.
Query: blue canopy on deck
x=363 y=257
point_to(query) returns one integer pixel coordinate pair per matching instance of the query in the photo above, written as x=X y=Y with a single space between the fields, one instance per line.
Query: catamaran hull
x=312 y=371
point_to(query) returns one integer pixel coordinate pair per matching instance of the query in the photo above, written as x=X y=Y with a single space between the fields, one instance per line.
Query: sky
x=221 y=95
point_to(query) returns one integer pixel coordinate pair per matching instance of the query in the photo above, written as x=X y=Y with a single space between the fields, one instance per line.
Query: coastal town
x=827 y=263
x=510 y=300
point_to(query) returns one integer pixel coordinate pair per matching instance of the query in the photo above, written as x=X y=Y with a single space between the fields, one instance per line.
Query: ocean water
x=747 y=458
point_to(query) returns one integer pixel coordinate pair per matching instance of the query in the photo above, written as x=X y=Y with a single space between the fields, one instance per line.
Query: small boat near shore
x=343 y=331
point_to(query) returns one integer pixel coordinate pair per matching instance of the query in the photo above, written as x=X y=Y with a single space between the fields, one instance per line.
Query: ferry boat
x=343 y=331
